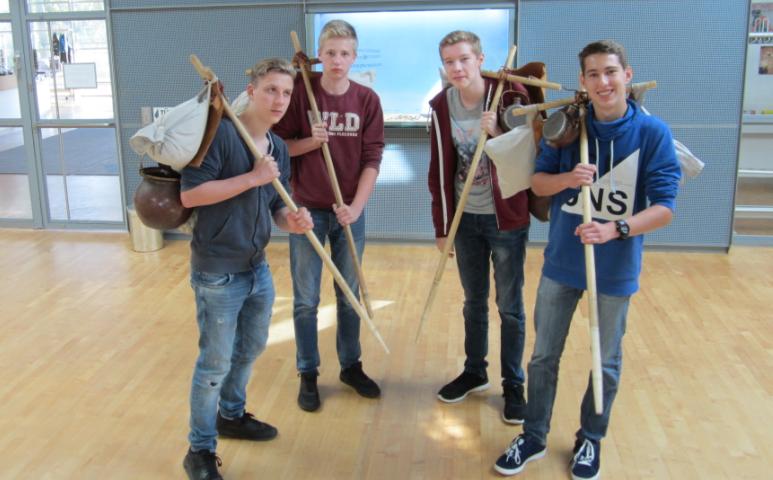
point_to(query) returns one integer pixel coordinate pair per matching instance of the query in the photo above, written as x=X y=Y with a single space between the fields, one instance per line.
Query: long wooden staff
x=590 y=277
x=463 y=199
x=536 y=82
x=635 y=89
x=332 y=174
x=207 y=74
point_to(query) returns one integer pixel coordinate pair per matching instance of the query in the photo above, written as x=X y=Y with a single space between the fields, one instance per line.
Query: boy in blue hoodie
x=634 y=176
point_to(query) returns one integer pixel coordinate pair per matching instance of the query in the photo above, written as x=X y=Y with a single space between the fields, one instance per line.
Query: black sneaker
x=308 y=395
x=586 y=462
x=247 y=427
x=515 y=404
x=202 y=465
x=521 y=451
x=356 y=378
x=461 y=386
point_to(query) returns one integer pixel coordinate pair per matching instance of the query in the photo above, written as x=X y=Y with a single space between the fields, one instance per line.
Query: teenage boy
x=633 y=154
x=492 y=230
x=353 y=127
x=231 y=280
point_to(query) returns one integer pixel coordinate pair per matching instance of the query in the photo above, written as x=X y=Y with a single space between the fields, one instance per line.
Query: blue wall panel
x=695 y=50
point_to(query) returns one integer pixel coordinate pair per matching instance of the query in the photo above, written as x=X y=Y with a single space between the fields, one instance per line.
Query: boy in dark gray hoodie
x=234 y=291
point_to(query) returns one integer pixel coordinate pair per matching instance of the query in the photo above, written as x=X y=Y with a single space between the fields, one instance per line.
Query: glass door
x=15 y=196
x=71 y=156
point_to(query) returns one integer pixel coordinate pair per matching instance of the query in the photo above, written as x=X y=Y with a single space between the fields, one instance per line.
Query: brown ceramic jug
x=157 y=199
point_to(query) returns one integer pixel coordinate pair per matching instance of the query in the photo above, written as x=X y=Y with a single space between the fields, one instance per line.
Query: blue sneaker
x=521 y=451
x=587 y=459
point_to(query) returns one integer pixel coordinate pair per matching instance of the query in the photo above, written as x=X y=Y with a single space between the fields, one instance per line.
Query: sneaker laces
x=586 y=454
x=214 y=456
x=514 y=450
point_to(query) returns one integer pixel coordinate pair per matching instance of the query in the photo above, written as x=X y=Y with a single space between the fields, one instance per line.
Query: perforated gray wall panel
x=695 y=51
x=151 y=57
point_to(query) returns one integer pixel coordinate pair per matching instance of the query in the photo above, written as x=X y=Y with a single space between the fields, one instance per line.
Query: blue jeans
x=477 y=240
x=233 y=311
x=553 y=312
x=306 y=269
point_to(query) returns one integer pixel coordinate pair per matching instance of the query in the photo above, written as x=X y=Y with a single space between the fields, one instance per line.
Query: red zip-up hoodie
x=512 y=212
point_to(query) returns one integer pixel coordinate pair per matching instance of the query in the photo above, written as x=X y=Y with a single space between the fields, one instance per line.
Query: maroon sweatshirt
x=355 y=126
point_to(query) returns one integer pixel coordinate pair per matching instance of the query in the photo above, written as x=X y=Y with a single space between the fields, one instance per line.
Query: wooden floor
x=98 y=345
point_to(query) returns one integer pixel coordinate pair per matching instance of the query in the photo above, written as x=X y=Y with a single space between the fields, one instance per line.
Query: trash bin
x=144 y=238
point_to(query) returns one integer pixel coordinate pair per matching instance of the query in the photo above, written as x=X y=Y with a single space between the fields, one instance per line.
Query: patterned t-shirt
x=465 y=130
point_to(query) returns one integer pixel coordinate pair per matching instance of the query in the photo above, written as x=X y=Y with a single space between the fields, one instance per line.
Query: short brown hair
x=458 y=36
x=269 y=65
x=603 y=46
x=338 y=29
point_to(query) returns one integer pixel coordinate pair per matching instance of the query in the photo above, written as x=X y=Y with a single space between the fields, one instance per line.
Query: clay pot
x=157 y=199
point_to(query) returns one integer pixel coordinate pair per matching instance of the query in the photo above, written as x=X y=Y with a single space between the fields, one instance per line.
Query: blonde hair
x=258 y=71
x=458 y=36
x=269 y=65
x=338 y=29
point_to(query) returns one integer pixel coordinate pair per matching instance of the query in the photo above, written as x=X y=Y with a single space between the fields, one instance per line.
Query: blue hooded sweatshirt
x=636 y=167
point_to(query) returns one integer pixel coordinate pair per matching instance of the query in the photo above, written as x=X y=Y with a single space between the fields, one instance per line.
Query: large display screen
x=398 y=52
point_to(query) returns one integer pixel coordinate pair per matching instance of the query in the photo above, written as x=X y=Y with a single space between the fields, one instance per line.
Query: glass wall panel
x=14 y=183
x=73 y=69
x=37 y=6
x=9 y=88
x=81 y=169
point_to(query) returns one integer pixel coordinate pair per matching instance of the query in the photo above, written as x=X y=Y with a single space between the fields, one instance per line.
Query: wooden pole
x=590 y=277
x=538 y=107
x=462 y=199
x=536 y=82
x=207 y=74
x=333 y=177
x=635 y=88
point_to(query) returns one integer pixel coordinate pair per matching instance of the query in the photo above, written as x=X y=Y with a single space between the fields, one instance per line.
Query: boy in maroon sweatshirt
x=353 y=127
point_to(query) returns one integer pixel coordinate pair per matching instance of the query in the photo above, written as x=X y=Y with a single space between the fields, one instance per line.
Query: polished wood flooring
x=98 y=344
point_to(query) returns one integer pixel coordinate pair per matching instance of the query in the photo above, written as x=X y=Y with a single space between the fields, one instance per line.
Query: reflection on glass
x=4 y=6
x=9 y=89
x=15 y=200
x=59 y=46
x=64 y=5
x=81 y=168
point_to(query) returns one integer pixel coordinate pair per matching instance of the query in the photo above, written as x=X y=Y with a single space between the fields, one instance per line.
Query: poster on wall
x=766 y=61
x=761 y=18
x=758 y=91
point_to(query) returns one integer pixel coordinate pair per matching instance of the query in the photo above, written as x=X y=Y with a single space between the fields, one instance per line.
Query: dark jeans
x=306 y=268
x=477 y=240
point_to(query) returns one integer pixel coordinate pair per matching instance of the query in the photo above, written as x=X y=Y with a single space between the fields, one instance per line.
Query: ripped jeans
x=233 y=311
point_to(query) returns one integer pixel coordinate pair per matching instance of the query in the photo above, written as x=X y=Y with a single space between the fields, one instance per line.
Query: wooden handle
x=590 y=278
x=205 y=72
x=644 y=85
x=462 y=200
x=537 y=107
x=536 y=82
